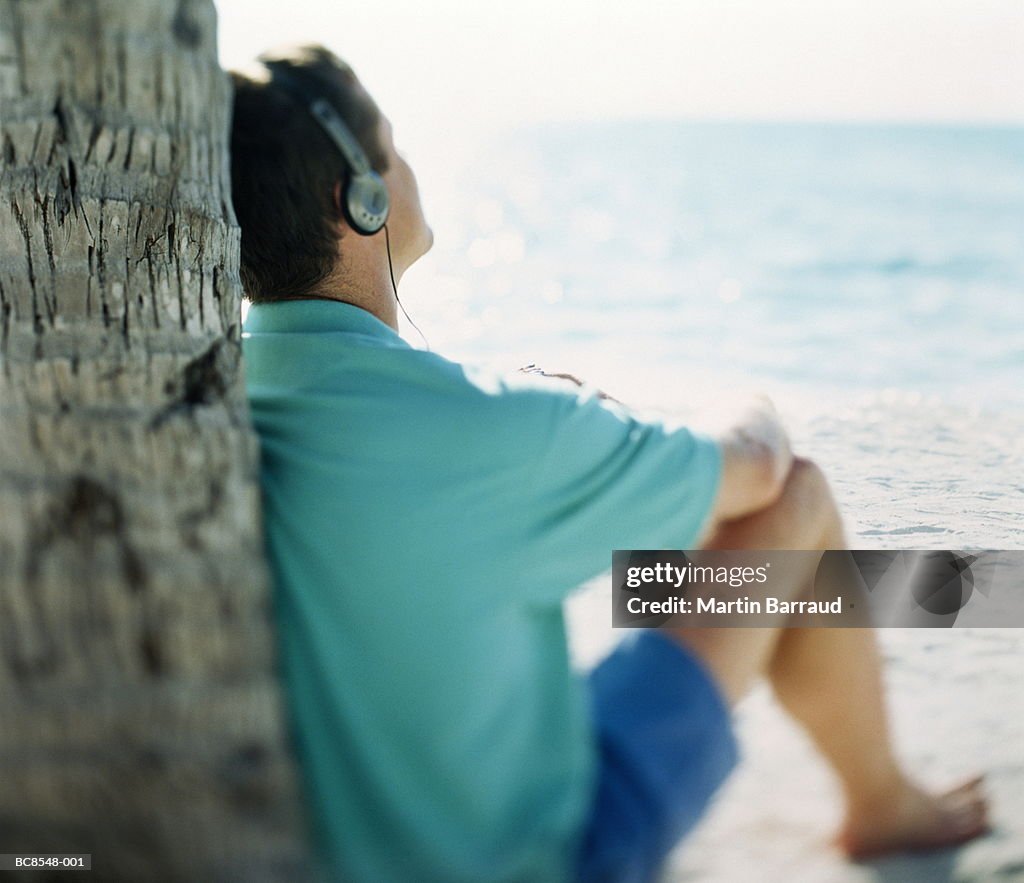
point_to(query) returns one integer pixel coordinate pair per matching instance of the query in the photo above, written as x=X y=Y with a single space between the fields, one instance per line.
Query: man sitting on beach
x=425 y=522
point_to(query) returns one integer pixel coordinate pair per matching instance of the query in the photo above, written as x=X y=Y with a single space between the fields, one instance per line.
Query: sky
x=455 y=65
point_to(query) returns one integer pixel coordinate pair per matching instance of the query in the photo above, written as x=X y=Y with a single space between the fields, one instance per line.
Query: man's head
x=287 y=179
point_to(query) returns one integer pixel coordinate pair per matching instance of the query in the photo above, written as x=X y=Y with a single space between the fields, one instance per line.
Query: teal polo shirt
x=424 y=523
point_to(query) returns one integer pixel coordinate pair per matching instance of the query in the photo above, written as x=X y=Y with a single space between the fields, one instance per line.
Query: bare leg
x=830 y=681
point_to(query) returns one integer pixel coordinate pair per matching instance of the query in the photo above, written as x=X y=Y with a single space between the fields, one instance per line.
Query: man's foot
x=911 y=819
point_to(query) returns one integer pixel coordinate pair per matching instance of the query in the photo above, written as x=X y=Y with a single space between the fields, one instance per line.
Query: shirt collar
x=317 y=315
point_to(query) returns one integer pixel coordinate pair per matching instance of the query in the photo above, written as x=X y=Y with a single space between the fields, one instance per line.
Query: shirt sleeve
x=604 y=480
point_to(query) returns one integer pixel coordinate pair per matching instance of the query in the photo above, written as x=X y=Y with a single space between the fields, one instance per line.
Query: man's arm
x=756 y=458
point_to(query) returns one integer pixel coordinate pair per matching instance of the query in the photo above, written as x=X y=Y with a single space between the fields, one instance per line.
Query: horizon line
x=880 y=122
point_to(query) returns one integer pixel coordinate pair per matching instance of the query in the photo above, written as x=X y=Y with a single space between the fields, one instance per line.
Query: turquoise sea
x=833 y=258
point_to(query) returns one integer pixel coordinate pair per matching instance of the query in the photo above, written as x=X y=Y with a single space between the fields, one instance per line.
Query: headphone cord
x=387 y=241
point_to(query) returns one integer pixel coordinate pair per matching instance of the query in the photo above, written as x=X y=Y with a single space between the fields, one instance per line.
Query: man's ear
x=341 y=223
x=337 y=198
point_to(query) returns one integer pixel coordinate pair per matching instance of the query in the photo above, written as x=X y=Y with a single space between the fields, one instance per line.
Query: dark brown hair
x=284 y=168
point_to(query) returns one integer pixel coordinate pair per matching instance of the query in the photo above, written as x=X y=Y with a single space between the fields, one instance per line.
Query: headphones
x=365 y=200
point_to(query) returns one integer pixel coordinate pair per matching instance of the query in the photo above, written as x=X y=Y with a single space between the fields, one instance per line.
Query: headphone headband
x=339 y=133
x=365 y=200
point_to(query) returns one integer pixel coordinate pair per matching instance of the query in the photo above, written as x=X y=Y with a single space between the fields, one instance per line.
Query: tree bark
x=141 y=715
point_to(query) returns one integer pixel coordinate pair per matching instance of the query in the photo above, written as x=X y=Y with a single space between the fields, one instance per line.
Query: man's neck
x=363 y=279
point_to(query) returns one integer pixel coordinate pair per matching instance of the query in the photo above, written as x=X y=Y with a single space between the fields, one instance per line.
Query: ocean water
x=829 y=259
x=871 y=280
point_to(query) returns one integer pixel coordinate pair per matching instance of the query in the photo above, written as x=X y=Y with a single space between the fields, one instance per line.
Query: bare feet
x=913 y=820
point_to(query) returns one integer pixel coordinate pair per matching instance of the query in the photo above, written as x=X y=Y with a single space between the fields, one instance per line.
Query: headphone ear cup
x=367 y=203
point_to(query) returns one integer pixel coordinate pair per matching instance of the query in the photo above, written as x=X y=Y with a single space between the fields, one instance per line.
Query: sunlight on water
x=830 y=259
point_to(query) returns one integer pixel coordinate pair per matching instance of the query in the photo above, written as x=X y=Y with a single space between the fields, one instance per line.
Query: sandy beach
x=908 y=475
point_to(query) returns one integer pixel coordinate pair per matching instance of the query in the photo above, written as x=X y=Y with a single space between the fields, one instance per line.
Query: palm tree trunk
x=141 y=713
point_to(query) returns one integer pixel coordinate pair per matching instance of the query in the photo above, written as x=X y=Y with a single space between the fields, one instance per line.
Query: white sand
x=909 y=473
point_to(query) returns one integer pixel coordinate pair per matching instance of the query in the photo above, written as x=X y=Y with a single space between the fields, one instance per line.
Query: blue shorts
x=665 y=744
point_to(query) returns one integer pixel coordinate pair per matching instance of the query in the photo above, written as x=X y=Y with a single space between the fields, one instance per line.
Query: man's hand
x=756 y=458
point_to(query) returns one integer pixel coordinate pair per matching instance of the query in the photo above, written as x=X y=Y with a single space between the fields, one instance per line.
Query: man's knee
x=807 y=480
x=804 y=516
x=809 y=506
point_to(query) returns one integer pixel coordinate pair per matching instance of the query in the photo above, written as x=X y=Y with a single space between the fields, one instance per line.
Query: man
x=425 y=522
